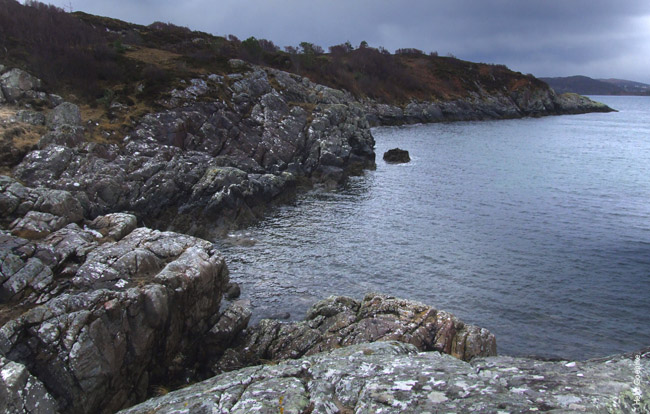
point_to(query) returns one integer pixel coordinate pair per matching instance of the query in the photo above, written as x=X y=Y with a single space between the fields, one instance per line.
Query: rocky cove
x=111 y=292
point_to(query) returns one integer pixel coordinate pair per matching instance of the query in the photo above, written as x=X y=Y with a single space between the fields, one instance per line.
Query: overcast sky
x=597 y=38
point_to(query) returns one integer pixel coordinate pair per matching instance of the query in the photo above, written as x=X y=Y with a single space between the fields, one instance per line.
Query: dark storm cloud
x=546 y=37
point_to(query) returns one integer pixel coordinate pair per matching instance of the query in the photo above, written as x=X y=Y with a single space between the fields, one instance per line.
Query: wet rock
x=397 y=156
x=16 y=83
x=393 y=377
x=64 y=114
x=342 y=321
x=20 y=392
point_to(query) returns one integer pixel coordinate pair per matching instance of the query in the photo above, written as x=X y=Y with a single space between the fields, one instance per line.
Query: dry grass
x=158 y=57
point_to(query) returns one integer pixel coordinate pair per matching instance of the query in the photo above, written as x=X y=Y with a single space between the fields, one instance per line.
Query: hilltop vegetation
x=91 y=56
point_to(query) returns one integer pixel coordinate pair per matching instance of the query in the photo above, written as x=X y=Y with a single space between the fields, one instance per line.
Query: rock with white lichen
x=393 y=377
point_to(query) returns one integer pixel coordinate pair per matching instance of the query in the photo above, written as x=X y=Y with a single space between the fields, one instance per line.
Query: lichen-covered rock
x=100 y=316
x=16 y=83
x=393 y=377
x=36 y=212
x=342 y=321
x=21 y=393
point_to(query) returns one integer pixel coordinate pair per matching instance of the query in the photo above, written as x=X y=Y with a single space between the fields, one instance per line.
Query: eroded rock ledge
x=341 y=321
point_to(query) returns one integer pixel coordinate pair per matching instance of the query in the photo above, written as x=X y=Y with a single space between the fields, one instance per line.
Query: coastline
x=98 y=309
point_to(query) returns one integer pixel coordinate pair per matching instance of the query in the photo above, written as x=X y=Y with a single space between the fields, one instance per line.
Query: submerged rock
x=341 y=321
x=397 y=156
x=393 y=377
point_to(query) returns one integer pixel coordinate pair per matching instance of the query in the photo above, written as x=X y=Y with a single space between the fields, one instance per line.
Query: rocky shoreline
x=108 y=296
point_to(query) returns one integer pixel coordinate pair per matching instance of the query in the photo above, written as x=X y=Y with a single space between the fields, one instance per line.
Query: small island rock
x=397 y=156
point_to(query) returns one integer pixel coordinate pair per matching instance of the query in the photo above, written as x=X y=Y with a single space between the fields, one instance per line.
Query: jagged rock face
x=100 y=314
x=342 y=321
x=220 y=161
x=393 y=377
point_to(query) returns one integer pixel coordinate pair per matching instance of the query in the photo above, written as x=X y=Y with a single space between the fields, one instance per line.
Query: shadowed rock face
x=393 y=377
x=341 y=321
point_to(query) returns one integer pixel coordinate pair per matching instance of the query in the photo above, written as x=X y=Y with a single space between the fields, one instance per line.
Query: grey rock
x=16 y=82
x=30 y=117
x=99 y=334
x=64 y=114
x=24 y=205
x=65 y=135
x=55 y=100
x=114 y=226
x=393 y=377
x=202 y=166
x=341 y=321
x=36 y=225
x=21 y=392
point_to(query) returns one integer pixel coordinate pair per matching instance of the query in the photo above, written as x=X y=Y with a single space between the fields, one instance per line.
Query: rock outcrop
x=393 y=377
x=100 y=311
x=482 y=106
x=207 y=163
x=341 y=321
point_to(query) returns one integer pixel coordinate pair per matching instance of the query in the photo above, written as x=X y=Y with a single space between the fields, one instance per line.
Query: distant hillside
x=631 y=87
x=584 y=85
x=90 y=56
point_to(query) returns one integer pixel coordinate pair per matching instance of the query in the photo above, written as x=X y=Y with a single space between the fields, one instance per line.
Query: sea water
x=537 y=229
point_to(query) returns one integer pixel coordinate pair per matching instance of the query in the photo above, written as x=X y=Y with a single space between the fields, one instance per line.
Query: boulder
x=393 y=377
x=64 y=114
x=397 y=156
x=16 y=82
x=341 y=321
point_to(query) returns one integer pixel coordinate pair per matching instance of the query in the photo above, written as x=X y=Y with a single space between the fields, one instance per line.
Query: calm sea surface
x=537 y=229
